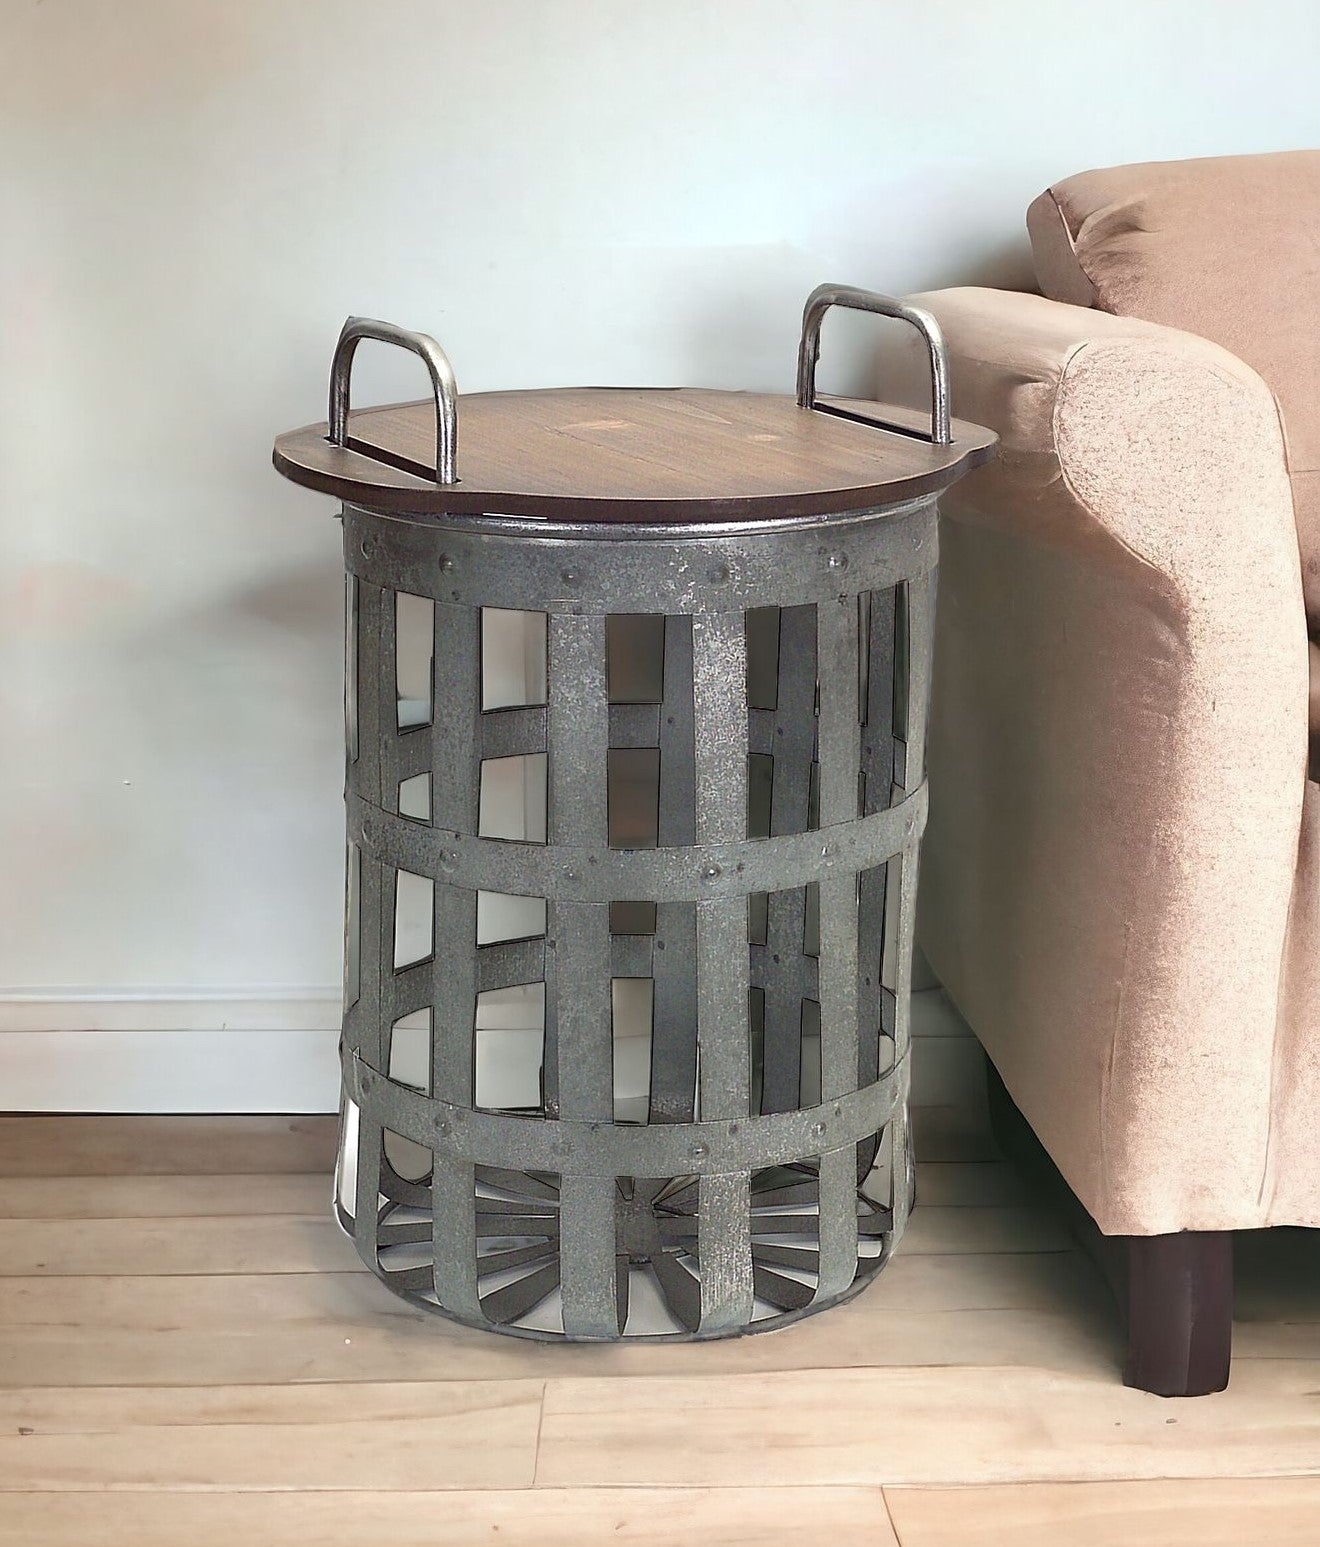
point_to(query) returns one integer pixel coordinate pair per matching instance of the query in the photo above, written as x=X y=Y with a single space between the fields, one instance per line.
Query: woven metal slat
x=579 y=980
x=719 y=688
x=839 y=734
x=455 y=796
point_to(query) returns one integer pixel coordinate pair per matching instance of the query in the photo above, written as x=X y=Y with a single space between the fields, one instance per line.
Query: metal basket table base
x=764 y=898
x=737 y=1204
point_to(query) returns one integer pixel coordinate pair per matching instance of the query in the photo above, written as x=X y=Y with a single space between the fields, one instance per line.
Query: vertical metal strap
x=920 y=601
x=376 y=923
x=920 y=593
x=352 y=925
x=674 y=958
x=839 y=738
x=386 y=740
x=578 y=966
x=456 y=717
x=374 y=682
x=455 y=801
x=719 y=648
x=375 y=699
x=917 y=604
x=351 y=593
x=877 y=794
x=793 y=748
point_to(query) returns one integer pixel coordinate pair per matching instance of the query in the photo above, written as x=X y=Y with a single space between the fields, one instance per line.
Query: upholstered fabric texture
x=1120 y=886
x=1228 y=248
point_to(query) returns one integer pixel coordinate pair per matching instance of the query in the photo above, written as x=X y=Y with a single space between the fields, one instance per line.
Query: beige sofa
x=1121 y=876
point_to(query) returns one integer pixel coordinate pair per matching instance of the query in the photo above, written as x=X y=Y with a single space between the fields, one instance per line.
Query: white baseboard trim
x=168 y=1009
x=191 y=1070
x=82 y=1051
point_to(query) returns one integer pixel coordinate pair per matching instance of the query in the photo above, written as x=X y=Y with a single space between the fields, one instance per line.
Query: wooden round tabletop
x=636 y=454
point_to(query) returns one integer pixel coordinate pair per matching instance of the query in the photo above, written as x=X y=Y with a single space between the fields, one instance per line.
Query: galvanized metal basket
x=773 y=560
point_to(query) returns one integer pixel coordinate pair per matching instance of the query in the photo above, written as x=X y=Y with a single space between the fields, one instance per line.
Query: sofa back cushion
x=1227 y=247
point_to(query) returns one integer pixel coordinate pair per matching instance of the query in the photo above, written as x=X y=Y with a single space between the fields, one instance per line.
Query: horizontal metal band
x=630 y=572
x=406 y=753
x=568 y=1148
x=635 y=725
x=518 y=731
x=696 y=873
x=631 y=956
x=764 y=733
x=503 y=964
x=521 y=732
x=796 y=973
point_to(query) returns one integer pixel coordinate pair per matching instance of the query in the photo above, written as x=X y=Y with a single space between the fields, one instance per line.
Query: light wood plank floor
x=191 y=1354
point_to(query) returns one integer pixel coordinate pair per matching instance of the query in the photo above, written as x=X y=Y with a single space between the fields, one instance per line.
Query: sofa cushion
x=1227 y=247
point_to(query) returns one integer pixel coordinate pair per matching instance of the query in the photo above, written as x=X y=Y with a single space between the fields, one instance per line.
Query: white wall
x=195 y=194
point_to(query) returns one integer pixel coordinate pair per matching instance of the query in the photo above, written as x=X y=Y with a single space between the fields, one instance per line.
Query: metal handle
x=442 y=383
x=813 y=314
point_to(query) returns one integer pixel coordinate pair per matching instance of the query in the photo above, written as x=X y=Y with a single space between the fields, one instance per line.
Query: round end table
x=726 y=599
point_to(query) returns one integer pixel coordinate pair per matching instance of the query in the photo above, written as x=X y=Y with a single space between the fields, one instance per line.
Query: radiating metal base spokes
x=658 y=1263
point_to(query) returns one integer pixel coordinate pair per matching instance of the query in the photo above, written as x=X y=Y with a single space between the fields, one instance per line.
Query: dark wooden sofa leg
x=1176 y=1291
x=1179 y=1312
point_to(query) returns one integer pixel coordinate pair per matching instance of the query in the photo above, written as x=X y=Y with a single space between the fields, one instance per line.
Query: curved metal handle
x=442 y=383
x=813 y=314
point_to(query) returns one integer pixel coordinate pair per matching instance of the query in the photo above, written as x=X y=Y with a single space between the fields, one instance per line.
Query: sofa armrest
x=1115 y=431
x=1118 y=749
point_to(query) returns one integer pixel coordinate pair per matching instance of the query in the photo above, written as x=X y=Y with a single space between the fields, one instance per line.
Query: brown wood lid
x=635 y=454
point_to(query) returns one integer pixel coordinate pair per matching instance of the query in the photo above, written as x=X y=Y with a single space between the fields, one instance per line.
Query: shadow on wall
x=307 y=603
x=1004 y=266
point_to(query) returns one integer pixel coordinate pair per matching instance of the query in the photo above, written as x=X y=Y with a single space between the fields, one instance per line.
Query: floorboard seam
x=540 y=1425
x=889 y=1515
